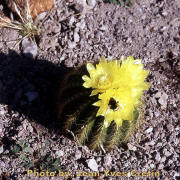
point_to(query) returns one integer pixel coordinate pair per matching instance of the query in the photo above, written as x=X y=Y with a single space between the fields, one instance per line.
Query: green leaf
x=122 y=3
x=26 y=149
x=16 y=149
x=113 y=1
x=43 y=148
x=30 y=164
x=22 y=156
x=57 y=161
x=48 y=159
x=47 y=141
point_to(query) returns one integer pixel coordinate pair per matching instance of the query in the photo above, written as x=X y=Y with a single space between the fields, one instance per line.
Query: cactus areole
x=100 y=103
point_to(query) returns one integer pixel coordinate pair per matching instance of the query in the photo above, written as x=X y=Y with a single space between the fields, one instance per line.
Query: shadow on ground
x=29 y=87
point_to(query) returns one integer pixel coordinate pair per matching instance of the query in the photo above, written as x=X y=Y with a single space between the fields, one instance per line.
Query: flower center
x=113 y=104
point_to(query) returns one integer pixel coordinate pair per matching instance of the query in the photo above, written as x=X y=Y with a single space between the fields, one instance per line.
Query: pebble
x=166 y=153
x=60 y=153
x=71 y=21
x=163 y=100
x=108 y=160
x=2 y=112
x=71 y=44
x=98 y=159
x=93 y=165
x=78 y=155
x=31 y=95
x=163 y=159
x=81 y=24
x=161 y=166
x=1 y=149
x=29 y=48
x=101 y=169
x=76 y=37
x=131 y=147
x=151 y=143
x=158 y=157
x=91 y=2
x=152 y=166
x=2 y=164
x=170 y=127
x=21 y=133
x=150 y=129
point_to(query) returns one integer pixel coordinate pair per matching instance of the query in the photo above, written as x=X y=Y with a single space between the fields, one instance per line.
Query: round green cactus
x=102 y=110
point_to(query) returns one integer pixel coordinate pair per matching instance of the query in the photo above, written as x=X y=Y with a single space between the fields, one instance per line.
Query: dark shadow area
x=29 y=87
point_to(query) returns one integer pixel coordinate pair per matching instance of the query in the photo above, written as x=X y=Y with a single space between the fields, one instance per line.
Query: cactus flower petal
x=119 y=85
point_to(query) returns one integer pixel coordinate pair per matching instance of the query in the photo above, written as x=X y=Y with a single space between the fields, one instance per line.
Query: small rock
x=71 y=20
x=150 y=129
x=161 y=166
x=158 y=157
x=131 y=147
x=163 y=159
x=78 y=155
x=2 y=164
x=60 y=153
x=2 y=112
x=21 y=133
x=1 y=149
x=101 y=169
x=76 y=37
x=93 y=165
x=91 y=2
x=163 y=100
x=159 y=144
x=151 y=143
x=108 y=160
x=31 y=95
x=98 y=159
x=103 y=28
x=152 y=166
x=81 y=24
x=166 y=153
x=29 y=48
x=30 y=128
x=71 y=44
x=170 y=127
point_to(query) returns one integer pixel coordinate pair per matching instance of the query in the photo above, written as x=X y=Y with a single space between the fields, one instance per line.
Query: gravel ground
x=76 y=32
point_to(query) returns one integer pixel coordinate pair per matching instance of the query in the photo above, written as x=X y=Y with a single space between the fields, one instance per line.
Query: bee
x=113 y=104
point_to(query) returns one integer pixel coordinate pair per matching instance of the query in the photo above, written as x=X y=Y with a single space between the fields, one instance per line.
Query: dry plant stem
x=26 y=27
x=138 y=146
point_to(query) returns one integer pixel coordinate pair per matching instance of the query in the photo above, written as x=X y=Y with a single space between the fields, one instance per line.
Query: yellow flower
x=115 y=105
x=119 y=84
x=102 y=77
x=132 y=76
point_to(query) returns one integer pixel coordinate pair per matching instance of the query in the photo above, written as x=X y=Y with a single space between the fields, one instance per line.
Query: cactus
x=92 y=107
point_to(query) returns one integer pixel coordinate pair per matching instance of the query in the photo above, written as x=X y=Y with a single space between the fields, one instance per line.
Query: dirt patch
x=75 y=32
